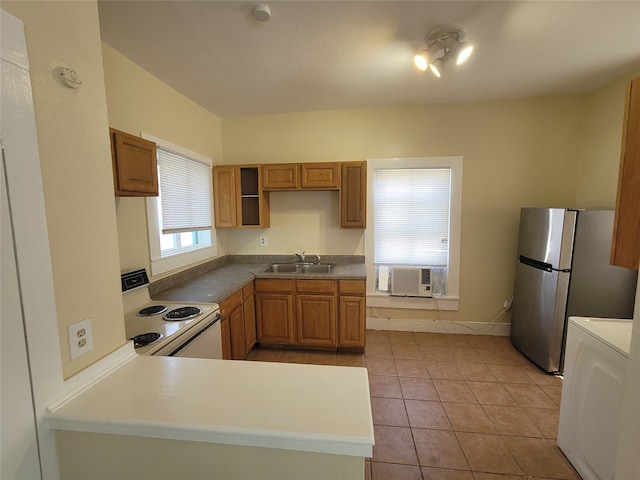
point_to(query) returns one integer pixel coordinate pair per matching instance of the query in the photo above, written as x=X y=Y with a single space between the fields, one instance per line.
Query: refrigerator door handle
x=535 y=263
x=541 y=265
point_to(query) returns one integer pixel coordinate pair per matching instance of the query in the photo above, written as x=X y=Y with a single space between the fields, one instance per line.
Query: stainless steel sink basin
x=299 y=268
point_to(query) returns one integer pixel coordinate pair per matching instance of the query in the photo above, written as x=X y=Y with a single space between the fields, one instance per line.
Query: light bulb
x=464 y=51
x=422 y=60
x=434 y=68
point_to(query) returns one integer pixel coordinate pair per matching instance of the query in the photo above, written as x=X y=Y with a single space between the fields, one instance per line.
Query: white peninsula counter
x=165 y=417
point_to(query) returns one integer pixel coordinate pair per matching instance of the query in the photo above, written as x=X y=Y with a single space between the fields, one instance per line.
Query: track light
x=443 y=42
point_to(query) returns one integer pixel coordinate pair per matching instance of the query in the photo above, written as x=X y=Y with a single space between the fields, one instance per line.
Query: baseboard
x=439 y=326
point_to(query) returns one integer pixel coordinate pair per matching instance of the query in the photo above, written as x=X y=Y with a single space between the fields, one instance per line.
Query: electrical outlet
x=507 y=304
x=80 y=338
x=263 y=240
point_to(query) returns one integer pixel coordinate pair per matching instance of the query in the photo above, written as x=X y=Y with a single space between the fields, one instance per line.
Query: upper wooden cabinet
x=353 y=195
x=239 y=199
x=241 y=192
x=280 y=176
x=625 y=247
x=320 y=176
x=301 y=176
x=135 y=172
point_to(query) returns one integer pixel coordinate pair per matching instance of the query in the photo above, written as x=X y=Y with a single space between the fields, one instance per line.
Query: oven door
x=206 y=342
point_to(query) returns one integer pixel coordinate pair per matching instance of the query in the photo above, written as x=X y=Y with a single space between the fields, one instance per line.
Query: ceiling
x=317 y=55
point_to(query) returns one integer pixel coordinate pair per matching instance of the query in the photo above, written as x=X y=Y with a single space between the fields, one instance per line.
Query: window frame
x=160 y=264
x=450 y=301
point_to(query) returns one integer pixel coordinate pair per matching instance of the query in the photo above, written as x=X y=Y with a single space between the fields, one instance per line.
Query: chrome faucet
x=301 y=256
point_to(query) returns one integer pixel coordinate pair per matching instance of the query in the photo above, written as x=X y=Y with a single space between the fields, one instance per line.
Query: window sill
x=173 y=262
x=381 y=300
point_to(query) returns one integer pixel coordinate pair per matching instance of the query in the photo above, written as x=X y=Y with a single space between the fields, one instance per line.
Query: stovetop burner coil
x=152 y=310
x=145 y=339
x=182 y=313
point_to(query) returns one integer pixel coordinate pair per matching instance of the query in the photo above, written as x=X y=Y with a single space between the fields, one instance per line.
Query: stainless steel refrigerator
x=563 y=270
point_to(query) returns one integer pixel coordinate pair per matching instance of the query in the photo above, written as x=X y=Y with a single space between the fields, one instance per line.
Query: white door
x=19 y=452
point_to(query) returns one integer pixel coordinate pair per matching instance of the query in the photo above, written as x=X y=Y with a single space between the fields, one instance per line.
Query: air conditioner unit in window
x=411 y=282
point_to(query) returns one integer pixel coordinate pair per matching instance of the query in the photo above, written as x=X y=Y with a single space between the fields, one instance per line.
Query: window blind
x=411 y=216
x=185 y=192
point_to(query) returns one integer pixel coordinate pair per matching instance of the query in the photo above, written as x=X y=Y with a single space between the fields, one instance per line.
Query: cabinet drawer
x=353 y=287
x=274 y=285
x=231 y=302
x=315 y=286
x=248 y=290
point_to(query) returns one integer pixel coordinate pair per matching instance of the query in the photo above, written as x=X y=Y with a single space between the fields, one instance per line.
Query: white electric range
x=168 y=328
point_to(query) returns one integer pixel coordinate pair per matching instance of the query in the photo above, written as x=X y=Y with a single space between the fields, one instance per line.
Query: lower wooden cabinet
x=352 y=324
x=328 y=314
x=238 y=313
x=226 y=338
x=249 y=315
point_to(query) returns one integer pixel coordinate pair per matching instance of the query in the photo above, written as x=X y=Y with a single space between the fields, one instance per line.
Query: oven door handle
x=200 y=332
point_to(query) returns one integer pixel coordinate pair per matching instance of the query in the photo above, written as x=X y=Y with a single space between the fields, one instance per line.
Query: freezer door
x=538 y=315
x=546 y=235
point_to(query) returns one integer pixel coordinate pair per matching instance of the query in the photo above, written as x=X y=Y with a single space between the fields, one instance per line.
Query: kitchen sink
x=299 y=268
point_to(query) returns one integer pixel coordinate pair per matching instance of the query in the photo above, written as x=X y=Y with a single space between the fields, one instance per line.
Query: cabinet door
x=625 y=247
x=224 y=195
x=274 y=313
x=353 y=195
x=135 y=172
x=320 y=176
x=352 y=322
x=249 y=312
x=236 y=324
x=225 y=331
x=316 y=320
x=280 y=176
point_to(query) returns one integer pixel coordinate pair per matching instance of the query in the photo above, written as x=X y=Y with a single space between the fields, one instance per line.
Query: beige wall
x=76 y=170
x=516 y=153
x=139 y=102
x=603 y=113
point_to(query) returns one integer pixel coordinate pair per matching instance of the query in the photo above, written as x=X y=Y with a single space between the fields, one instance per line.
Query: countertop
x=313 y=408
x=216 y=285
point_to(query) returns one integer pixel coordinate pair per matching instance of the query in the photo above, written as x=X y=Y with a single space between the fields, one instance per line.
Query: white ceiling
x=316 y=55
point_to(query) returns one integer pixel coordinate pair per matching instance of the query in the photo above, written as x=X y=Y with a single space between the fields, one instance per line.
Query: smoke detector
x=261 y=12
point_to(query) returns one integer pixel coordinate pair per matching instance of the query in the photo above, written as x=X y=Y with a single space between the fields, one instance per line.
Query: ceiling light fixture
x=443 y=43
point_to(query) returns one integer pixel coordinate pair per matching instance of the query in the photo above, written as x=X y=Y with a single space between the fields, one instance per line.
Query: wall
x=76 y=172
x=516 y=153
x=600 y=144
x=138 y=102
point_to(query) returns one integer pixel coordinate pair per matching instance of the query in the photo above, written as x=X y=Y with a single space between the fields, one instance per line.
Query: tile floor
x=453 y=407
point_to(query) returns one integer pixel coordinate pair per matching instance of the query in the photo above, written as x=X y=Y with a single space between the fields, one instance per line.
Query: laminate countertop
x=216 y=285
x=312 y=408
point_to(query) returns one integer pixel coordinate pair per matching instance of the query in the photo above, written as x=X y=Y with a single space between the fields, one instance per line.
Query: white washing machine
x=595 y=369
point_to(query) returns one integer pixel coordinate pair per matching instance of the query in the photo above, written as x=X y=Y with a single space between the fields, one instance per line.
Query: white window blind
x=411 y=216
x=185 y=187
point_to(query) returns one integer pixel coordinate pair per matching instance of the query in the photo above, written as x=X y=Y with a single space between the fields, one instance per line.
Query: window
x=180 y=218
x=414 y=208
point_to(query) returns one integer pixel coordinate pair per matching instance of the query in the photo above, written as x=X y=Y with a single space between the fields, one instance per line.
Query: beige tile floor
x=453 y=407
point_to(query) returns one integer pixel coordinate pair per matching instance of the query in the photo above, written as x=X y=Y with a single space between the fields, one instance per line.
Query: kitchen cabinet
x=226 y=338
x=353 y=195
x=231 y=310
x=320 y=176
x=135 y=172
x=328 y=314
x=316 y=313
x=249 y=315
x=352 y=316
x=625 y=248
x=274 y=311
x=239 y=199
x=280 y=176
